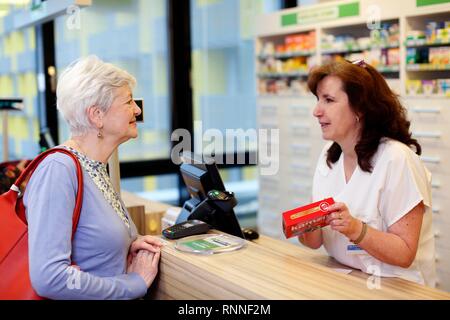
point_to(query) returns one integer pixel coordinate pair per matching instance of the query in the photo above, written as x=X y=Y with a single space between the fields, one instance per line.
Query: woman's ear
x=95 y=116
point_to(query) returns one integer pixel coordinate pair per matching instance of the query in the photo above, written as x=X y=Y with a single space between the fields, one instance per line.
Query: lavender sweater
x=100 y=246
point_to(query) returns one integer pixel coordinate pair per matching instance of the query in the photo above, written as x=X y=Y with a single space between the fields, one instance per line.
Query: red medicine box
x=306 y=218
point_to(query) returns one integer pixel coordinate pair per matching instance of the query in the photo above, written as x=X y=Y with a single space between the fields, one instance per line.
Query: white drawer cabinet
x=443 y=279
x=442 y=235
x=299 y=147
x=430 y=124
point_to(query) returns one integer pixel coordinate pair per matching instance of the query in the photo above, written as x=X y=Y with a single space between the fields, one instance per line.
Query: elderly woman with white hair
x=112 y=260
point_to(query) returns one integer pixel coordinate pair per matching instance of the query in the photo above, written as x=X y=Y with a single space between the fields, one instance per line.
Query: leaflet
x=210 y=243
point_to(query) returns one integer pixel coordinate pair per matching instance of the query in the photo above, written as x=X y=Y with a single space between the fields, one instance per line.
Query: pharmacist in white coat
x=381 y=222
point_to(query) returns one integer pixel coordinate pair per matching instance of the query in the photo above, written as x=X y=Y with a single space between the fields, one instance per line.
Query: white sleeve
x=321 y=170
x=407 y=183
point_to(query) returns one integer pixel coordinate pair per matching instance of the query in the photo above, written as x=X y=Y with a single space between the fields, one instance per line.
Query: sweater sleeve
x=49 y=200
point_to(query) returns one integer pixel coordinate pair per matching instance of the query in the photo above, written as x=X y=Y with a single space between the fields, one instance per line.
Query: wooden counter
x=148 y=220
x=272 y=269
x=265 y=269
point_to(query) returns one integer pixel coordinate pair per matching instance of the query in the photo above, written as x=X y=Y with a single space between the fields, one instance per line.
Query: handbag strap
x=33 y=165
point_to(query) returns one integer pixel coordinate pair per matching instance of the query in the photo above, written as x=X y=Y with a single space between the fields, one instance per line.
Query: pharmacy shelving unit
x=284 y=103
x=429 y=111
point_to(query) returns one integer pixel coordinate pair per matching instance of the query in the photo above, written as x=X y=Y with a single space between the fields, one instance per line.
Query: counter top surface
x=273 y=269
x=268 y=268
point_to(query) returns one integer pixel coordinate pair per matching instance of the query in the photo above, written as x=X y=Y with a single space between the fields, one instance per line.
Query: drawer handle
x=300 y=166
x=437 y=234
x=299 y=110
x=427 y=134
x=269 y=107
x=268 y=111
x=425 y=110
x=300 y=147
x=267 y=125
x=269 y=181
x=436 y=210
x=298 y=203
x=431 y=159
x=298 y=107
x=300 y=127
x=300 y=186
x=435 y=185
x=269 y=198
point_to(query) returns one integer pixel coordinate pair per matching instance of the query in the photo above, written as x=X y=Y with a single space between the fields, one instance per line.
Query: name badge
x=353 y=249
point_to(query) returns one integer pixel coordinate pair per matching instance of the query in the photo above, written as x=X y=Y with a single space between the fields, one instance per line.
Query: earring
x=99 y=133
x=357 y=119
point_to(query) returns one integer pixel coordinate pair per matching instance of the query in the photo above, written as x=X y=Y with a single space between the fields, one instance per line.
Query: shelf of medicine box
x=287 y=55
x=283 y=74
x=427 y=67
x=387 y=69
x=358 y=49
x=284 y=95
x=425 y=43
x=428 y=96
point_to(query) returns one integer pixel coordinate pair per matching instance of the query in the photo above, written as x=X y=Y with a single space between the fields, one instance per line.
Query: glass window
x=18 y=79
x=161 y=188
x=243 y=182
x=131 y=34
x=223 y=68
x=307 y=2
x=224 y=88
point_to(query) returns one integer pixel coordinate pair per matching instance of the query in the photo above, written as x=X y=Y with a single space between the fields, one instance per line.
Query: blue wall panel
x=215 y=25
x=30 y=149
x=5 y=65
x=26 y=62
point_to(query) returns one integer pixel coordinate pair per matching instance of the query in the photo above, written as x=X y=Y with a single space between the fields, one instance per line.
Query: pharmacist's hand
x=145 y=264
x=148 y=243
x=342 y=221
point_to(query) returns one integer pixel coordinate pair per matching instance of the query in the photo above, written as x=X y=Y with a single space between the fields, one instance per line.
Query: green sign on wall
x=314 y=15
x=421 y=3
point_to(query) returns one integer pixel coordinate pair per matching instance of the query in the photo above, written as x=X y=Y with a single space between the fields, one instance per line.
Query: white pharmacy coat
x=399 y=181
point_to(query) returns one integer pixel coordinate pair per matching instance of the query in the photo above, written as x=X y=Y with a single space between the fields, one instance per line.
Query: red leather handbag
x=15 y=281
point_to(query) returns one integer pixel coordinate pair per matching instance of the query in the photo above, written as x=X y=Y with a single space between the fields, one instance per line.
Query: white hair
x=88 y=82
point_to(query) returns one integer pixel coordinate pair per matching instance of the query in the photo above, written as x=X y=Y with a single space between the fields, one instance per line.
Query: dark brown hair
x=378 y=108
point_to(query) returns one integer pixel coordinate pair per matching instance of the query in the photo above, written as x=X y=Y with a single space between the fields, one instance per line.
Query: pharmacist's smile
x=324 y=125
